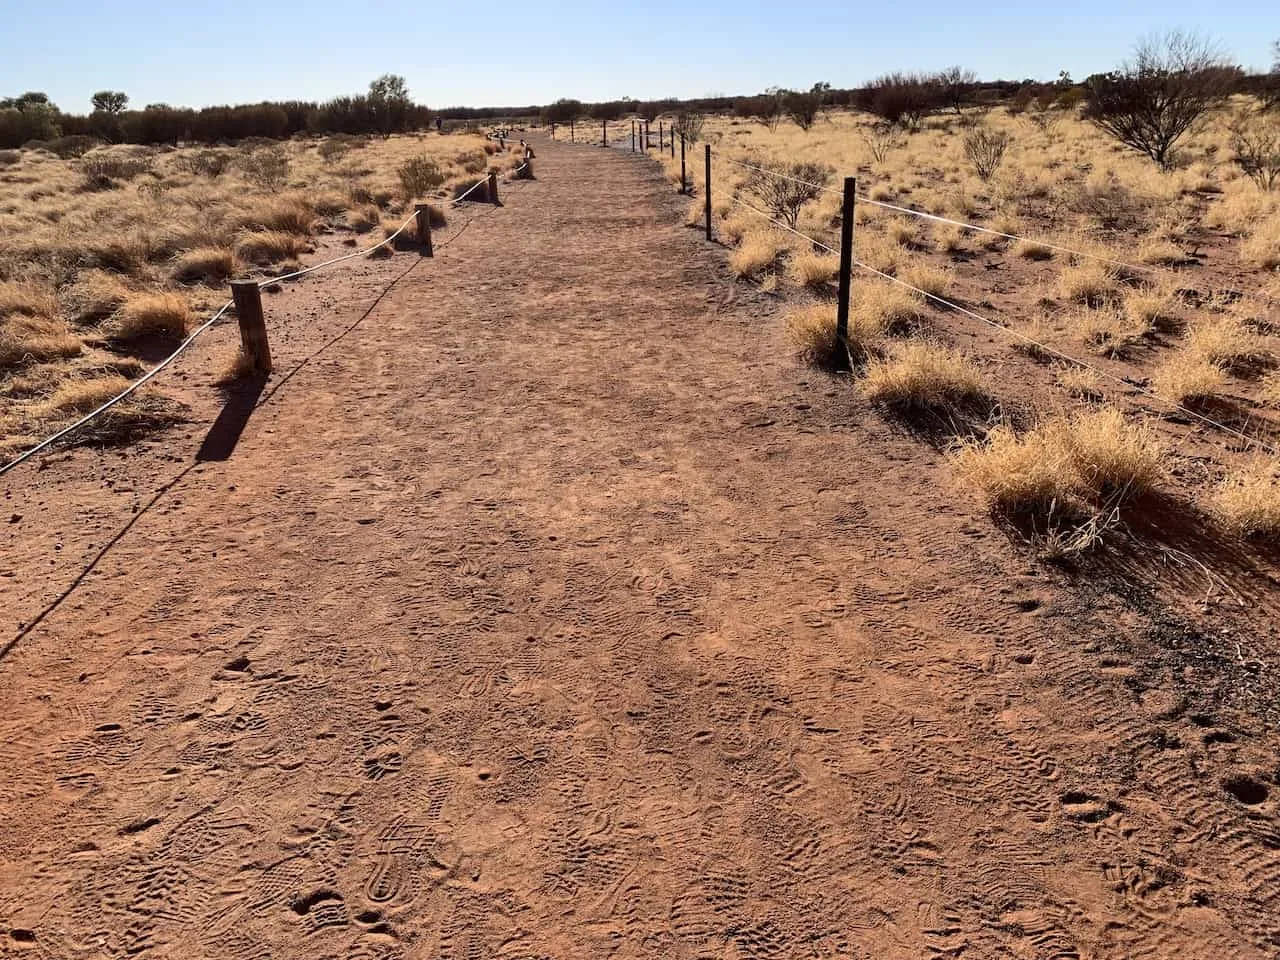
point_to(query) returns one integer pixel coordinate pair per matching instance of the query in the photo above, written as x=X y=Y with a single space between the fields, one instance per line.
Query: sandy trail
x=555 y=610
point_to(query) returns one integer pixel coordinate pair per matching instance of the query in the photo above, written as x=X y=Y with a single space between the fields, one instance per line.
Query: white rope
x=346 y=256
x=1025 y=339
x=43 y=444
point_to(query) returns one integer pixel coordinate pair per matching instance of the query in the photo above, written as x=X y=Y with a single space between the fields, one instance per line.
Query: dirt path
x=555 y=610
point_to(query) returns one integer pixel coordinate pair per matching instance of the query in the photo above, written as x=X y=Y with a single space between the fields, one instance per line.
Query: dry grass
x=919 y=376
x=80 y=396
x=154 y=314
x=1248 y=503
x=28 y=339
x=1089 y=282
x=1261 y=249
x=1187 y=378
x=239 y=367
x=813 y=330
x=814 y=270
x=1028 y=474
x=263 y=247
x=1226 y=341
x=1113 y=456
x=929 y=279
x=887 y=306
x=94 y=296
x=27 y=300
x=1080 y=383
x=759 y=250
x=1032 y=250
x=1108 y=329
x=205 y=265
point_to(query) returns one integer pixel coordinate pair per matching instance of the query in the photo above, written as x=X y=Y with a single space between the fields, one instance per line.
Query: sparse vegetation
x=785 y=188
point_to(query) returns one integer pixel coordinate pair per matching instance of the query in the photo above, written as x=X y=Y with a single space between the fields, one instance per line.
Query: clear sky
x=515 y=53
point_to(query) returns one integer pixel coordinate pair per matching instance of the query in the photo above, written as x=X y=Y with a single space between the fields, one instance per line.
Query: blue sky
x=514 y=53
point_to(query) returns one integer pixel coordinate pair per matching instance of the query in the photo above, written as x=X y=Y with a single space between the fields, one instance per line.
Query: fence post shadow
x=224 y=434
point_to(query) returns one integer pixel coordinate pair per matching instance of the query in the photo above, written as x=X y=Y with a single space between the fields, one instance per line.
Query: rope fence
x=246 y=298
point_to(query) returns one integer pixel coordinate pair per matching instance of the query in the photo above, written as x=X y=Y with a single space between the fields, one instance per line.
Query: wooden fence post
x=253 y=328
x=708 y=191
x=633 y=136
x=604 y=133
x=673 y=142
x=684 y=182
x=422 y=213
x=846 y=263
x=493 y=188
x=646 y=136
x=662 y=146
x=572 y=138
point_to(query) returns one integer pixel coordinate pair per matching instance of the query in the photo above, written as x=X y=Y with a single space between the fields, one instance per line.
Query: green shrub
x=419 y=176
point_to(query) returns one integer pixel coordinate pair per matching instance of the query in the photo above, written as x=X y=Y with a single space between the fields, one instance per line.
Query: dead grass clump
x=1151 y=307
x=1226 y=341
x=1187 y=378
x=1015 y=475
x=893 y=309
x=758 y=251
x=926 y=278
x=923 y=376
x=1248 y=503
x=28 y=300
x=880 y=253
x=813 y=330
x=1160 y=252
x=239 y=367
x=1113 y=456
x=1080 y=382
x=263 y=247
x=28 y=339
x=737 y=226
x=1091 y=282
x=364 y=218
x=153 y=314
x=81 y=396
x=1032 y=250
x=1108 y=330
x=287 y=214
x=814 y=270
x=1261 y=248
x=205 y=265
x=95 y=295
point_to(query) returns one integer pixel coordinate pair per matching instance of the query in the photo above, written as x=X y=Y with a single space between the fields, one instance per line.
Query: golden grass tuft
x=1032 y=250
x=1261 y=248
x=926 y=278
x=239 y=367
x=33 y=339
x=264 y=247
x=759 y=250
x=82 y=395
x=1187 y=378
x=1091 y=282
x=205 y=265
x=287 y=214
x=1151 y=306
x=1032 y=473
x=1080 y=382
x=813 y=330
x=891 y=308
x=153 y=314
x=919 y=375
x=1227 y=341
x=27 y=300
x=95 y=295
x=364 y=218
x=1108 y=330
x=1114 y=457
x=1248 y=503
x=814 y=270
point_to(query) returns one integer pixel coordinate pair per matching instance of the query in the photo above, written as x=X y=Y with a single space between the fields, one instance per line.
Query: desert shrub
x=984 y=148
x=1186 y=378
x=1153 y=100
x=814 y=270
x=689 y=124
x=1114 y=457
x=206 y=163
x=9 y=158
x=1018 y=474
x=104 y=166
x=334 y=148
x=69 y=148
x=803 y=108
x=785 y=188
x=1255 y=143
x=419 y=176
x=881 y=139
x=901 y=98
x=758 y=251
x=268 y=168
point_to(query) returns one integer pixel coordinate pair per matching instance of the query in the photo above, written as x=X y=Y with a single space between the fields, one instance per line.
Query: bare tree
x=881 y=137
x=689 y=125
x=803 y=107
x=1255 y=141
x=903 y=98
x=1271 y=86
x=984 y=148
x=955 y=87
x=786 y=187
x=1155 y=98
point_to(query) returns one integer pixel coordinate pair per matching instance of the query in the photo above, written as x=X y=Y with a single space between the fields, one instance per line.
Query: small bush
x=419 y=177
x=156 y=314
x=104 y=166
x=924 y=376
x=268 y=168
x=288 y=214
x=985 y=148
x=71 y=147
x=206 y=163
x=784 y=188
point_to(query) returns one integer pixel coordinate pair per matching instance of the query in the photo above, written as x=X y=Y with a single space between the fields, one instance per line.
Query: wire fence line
x=975 y=228
x=218 y=315
x=1030 y=341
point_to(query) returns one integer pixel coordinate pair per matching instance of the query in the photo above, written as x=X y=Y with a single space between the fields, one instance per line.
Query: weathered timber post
x=253 y=328
x=846 y=263
x=422 y=213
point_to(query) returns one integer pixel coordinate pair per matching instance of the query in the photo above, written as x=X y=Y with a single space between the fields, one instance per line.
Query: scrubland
x=1083 y=401
x=108 y=259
